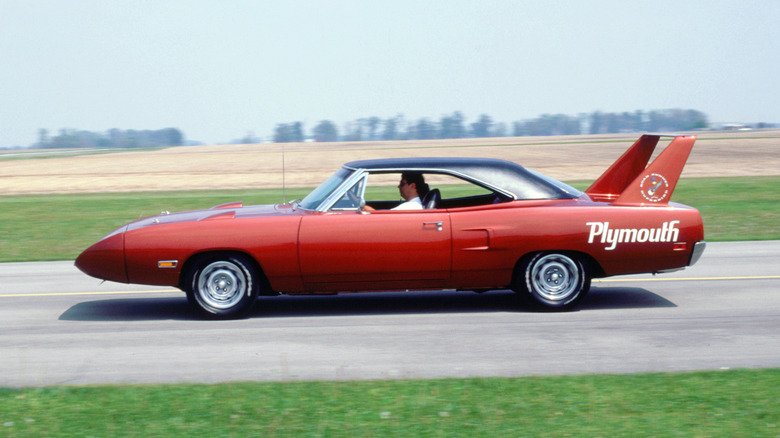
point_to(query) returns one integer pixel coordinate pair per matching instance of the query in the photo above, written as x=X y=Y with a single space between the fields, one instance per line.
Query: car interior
x=446 y=191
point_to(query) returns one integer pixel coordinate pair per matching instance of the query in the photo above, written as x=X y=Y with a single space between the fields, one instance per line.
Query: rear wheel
x=554 y=280
x=223 y=286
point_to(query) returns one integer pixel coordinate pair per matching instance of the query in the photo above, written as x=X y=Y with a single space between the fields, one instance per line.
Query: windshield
x=315 y=198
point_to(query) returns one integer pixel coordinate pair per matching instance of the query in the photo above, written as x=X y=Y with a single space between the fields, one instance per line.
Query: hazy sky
x=220 y=69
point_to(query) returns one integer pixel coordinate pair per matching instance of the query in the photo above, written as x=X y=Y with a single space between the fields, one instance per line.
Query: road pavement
x=61 y=327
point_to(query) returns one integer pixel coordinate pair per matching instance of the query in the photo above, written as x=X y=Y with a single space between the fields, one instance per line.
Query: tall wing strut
x=629 y=182
x=620 y=174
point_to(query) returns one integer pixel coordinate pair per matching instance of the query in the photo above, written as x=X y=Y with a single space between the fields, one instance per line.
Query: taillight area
x=681 y=246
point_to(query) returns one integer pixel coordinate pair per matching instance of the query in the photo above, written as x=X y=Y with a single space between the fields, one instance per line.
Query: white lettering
x=611 y=237
x=628 y=235
x=668 y=232
x=596 y=228
x=674 y=233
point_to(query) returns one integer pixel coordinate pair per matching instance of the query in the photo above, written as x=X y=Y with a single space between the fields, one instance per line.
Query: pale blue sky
x=220 y=69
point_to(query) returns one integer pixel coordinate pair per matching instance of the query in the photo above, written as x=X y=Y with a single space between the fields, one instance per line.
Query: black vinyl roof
x=492 y=173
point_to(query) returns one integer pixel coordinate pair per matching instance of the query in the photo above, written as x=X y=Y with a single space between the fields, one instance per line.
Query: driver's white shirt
x=412 y=204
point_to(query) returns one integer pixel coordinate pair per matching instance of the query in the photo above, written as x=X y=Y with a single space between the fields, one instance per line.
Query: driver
x=412 y=188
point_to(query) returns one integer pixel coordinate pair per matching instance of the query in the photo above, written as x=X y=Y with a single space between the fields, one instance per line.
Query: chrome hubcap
x=222 y=284
x=555 y=277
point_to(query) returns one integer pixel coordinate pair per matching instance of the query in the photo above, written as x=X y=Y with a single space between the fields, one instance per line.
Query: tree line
x=455 y=125
x=114 y=138
x=452 y=125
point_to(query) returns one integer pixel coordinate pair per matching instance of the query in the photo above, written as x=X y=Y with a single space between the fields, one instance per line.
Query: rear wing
x=629 y=181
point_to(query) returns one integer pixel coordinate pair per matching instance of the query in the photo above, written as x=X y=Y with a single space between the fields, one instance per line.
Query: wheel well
x=195 y=259
x=590 y=264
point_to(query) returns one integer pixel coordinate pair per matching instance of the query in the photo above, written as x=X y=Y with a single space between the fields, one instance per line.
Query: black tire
x=555 y=281
x=223 y=286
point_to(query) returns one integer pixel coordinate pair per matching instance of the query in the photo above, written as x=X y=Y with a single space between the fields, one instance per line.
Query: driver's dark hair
x=419 y=182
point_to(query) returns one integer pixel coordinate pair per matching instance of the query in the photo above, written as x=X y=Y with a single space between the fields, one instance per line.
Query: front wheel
x=556 y=281
x=223 y=287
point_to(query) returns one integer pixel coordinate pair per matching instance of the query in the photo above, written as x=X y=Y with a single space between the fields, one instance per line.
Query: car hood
x=226 y=211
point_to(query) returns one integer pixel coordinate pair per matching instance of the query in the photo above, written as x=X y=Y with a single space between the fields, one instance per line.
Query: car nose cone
x=105 y=259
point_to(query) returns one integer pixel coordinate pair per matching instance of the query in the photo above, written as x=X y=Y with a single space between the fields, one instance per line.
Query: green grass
x=58 y=227
x=737 y=403
x=735 y=208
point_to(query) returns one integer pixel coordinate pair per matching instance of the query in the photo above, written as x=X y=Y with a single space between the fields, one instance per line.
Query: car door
x=350 y=250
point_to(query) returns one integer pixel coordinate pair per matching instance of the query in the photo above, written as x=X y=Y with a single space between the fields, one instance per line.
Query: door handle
x=437 y=224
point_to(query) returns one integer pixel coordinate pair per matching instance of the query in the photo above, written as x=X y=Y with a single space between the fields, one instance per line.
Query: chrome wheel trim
x=221 y=285
x=555 y=277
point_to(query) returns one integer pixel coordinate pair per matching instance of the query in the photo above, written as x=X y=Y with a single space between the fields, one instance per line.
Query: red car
x=480 y=224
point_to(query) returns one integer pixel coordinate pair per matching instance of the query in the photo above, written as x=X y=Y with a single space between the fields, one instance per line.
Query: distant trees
x=454 y=126
x=422 y=129
x=482 y=127
x=374 y=128
x=289 y=132
x=326 y=131
x=372 y=125
x=114 y=138
x=392 y=128
x=353 y=131
x=451 y=126
x=548 y=124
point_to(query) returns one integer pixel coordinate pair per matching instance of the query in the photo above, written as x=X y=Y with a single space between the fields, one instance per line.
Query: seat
x=431 y=199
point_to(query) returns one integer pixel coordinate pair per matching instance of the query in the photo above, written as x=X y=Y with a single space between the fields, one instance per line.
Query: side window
x=382 y=191
x=454 y=187
x=456 y=192
x=383 y=187
x=352 y=198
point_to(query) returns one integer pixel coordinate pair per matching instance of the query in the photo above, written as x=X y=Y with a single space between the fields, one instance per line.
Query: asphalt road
x=58 y=326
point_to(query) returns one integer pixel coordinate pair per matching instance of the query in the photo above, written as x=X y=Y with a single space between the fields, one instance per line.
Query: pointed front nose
x=105 y=259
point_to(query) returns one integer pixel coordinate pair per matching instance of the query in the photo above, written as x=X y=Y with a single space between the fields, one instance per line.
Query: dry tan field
x=715 y=154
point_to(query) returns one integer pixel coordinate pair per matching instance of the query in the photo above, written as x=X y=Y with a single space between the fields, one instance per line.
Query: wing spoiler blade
x=629 y=182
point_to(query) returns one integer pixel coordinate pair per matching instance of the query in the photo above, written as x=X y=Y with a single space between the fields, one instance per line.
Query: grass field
x=58 y=227
x=736 y=403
